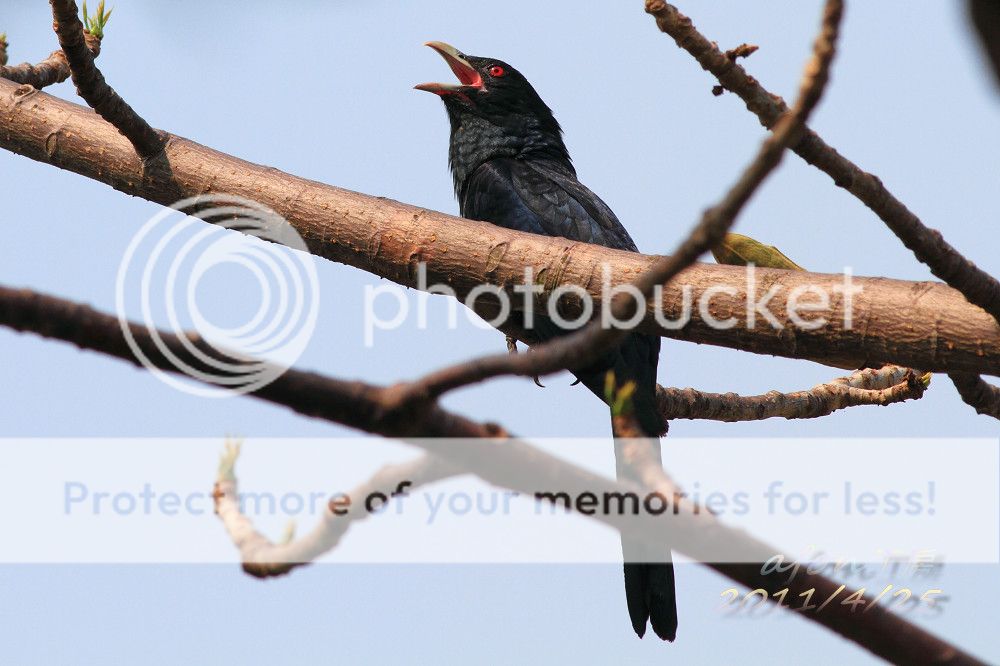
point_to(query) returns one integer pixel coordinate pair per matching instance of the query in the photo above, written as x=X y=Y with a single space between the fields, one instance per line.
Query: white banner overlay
x=818 y=500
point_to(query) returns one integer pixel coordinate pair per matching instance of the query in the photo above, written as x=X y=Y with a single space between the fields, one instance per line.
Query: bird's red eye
x=497 y=71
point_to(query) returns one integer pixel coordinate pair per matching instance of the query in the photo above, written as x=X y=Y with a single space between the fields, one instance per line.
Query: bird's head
x=494 y=110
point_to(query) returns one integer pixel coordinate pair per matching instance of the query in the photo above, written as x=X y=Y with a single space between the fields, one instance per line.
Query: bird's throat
x=476 y=140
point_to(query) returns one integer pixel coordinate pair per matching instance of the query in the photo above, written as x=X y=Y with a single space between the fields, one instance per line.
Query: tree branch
x=923 y=325
x=262 y=558
x=52 y=70
x=884 y=386
x=92 y=87
x=929 y=246
x=979 y=394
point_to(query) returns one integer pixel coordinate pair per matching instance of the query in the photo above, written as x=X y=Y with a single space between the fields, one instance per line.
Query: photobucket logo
x=170 y=257
x=806 y=307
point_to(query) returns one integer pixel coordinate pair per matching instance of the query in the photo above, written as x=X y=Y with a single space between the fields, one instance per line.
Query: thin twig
x=52 y=70
x=92 y=87
x=928 y=245
x=263 y=558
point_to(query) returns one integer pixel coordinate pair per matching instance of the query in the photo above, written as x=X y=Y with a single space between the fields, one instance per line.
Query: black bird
x=511 y=168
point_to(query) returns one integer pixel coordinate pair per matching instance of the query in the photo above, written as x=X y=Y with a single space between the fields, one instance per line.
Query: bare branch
x=928 y=245
x=52 y=70
x=262 y=558
x=986 y=19
x=983 y=396
x=884 y=386
x=92 y=87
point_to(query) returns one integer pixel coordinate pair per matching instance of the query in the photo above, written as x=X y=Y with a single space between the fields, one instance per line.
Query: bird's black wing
x=544 y=198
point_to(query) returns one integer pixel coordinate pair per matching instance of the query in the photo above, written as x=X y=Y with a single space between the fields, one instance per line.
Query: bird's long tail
x=649 y=577
x=649 y=574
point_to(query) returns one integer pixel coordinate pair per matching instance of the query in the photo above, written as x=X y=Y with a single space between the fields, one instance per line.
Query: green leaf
x=619 y=399
x=623 y=401
x=95 y=24
x=740 y=250
x=609 y=387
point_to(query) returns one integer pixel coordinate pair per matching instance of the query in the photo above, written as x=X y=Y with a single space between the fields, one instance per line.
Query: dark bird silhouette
x=511 y=168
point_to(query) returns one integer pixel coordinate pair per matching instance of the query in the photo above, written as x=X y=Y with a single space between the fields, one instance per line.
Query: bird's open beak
x=465 y=72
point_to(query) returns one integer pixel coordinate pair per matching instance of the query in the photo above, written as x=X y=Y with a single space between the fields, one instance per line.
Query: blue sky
x=324 y=90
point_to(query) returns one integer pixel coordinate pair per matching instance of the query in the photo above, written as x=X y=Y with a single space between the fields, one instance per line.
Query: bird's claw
x=511 y=345
x=512 y=349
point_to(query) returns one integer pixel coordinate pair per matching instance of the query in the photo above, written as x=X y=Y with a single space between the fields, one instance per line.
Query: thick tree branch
x=922 y=325
x=52 y=70
x=92 y=87
x=500 y=460
x=979 y=287
x=884 y=386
